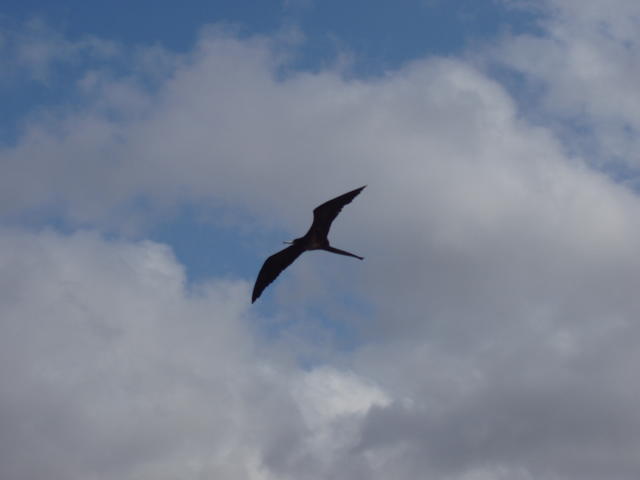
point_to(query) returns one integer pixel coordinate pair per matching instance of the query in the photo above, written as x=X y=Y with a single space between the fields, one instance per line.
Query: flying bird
x=314 y=239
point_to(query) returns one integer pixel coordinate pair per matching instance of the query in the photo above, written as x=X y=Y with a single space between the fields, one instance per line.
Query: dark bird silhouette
x=314 y=239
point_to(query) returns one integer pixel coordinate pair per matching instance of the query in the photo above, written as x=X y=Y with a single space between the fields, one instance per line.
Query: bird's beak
x=288 y=243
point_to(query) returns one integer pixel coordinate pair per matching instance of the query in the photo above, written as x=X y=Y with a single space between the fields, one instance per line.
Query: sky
x=153 y=156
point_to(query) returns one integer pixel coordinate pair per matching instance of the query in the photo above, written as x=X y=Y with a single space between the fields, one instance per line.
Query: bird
x=314 y=239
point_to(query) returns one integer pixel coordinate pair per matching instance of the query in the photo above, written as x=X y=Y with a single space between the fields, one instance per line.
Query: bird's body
x=314 y=239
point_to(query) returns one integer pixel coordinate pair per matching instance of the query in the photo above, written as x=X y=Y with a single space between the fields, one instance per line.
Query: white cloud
x=501 y=273
x=587 y=65
x=113 y=369
x=109 y=363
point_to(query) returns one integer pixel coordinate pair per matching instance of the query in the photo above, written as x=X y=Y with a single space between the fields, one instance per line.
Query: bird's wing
x=328 y=211
x=272 y=267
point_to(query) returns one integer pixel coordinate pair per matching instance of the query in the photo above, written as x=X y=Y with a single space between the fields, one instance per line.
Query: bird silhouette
x=314 y=239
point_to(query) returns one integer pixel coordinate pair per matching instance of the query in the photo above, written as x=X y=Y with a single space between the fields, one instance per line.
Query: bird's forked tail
x=341 y=252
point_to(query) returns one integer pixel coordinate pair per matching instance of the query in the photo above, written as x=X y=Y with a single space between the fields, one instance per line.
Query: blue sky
x=377 y=31
x=152 y=156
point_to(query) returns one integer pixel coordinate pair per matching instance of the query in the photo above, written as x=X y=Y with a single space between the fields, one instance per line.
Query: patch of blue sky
x=19 y=105
x=381 y=35
x=209 y=247
x=173 y=25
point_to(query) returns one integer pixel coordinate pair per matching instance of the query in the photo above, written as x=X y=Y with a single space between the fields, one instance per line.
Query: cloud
x=114 y=369
x=500 y=280
x=35 y=50
x=584 y=66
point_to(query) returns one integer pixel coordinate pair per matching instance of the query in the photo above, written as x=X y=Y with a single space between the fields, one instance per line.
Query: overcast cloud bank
x=502 y=266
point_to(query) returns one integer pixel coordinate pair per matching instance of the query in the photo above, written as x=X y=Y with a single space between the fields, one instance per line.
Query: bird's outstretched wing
x=328 y=211
x=272 y=267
